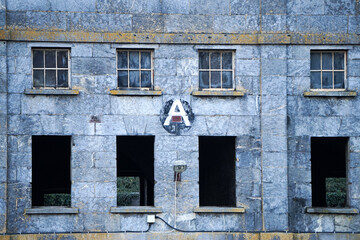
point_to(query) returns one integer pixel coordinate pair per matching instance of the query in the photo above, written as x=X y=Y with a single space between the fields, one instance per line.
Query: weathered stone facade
x=273 y=121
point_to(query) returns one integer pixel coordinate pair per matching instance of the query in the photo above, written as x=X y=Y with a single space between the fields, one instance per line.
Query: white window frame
x=128 y=69
x=332 y=70
x=56 y=68
x=218 y=70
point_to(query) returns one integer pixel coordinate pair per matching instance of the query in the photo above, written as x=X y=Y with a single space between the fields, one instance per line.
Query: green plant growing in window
x=336 y=192
x=57 y=199
x=128 y=191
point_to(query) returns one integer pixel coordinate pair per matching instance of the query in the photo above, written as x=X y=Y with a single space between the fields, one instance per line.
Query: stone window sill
x=326 y=210
x=118 y=92
x=218 y=93
x=219 y=210
x=330 y=94
x=68 y=92
x=51 y=210
x=136 y=210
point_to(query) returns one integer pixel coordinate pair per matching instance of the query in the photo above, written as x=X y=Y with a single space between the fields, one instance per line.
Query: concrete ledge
x=326 y=210
x=135 y=209
x=215 y=93
x=117 y=92
x=51 y=210
x=330 y=94
x=51 y=92
x=219 y=210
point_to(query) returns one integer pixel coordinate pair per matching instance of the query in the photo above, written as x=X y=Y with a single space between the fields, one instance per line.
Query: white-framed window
x=328 y=70
x=216 y=69
x=135 y=69
x=51 y=68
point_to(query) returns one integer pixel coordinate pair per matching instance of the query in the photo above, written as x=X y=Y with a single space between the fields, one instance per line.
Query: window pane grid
x=220 y=70
x=140 y=72
x=332 y=70
x=45 y=69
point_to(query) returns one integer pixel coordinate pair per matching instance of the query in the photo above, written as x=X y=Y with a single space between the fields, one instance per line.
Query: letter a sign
x=176 y=116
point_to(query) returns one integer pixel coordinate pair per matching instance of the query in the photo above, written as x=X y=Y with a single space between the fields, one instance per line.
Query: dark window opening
x=328 y=171
x=217 y=171
x=135 y=171
x=51 y=183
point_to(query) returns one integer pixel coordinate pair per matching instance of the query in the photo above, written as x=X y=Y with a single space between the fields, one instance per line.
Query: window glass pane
x=145 y=60
x=215 y=80
x=339 y=80
x=327 y=80
x=315 y=61
x=204 y=60
x=226 y=79
x=38 y=59
x=50 y=78
x=215 y=60
x=122 y=59
x=338 y=61
x=63 y=78
x=134 y=59
x=50 y=59
x=227 y=60
x=62 y=59
x=204 y=80
x=315 y=80
x=38 y=78
x=122 y=79
x=134 y=79
x=146 y=79
x=326 y=61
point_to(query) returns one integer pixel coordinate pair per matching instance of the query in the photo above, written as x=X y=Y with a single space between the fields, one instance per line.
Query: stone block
x=236 y=24
x=82 y=50
x=16 y=49
x=52 y=124
x=299 y=52
x=274 y=23
x=281 y=223
x=216 y=222
x=94 y=66
x=274 y=105
x=16 y=20
x=275 y=175
x=278 y=190
x=14 y=101
x=274 y=143
x=176 y=52
x=104 y=83
x=298 y=85
x=19 y=159
x=217 y=125
x=165 y=67
x=129 y=6
x=274 y=67
x=111 y=125
x=340 y=7
x=274 y=7
x=80 y=190
x=306 y=7
x=188 y=23
x=171 y=85
x=46 y=20
x=320 y=223
x=24 y=124
x=248 y=83
x=94 y=143
x=104 y=50
x=210 y=7
x=274 y=159
x=354 y=24
x=176 y=143
x=135 y=105
x=99 y=22
x=275 y=205
x=148 y=23
x=143 y=125
x=225 y=106
x=187 y=67
x=247 y=67
x=105 y=159
x=274 y=85
x=93 y=175
x=95 y=205
x=105 y=190
x=274 y=126
x=248 y=176
x=316 y=24
x=241 y=7
x=243 y=125
x=299 y=68
x=248 y=52
x=78 y=125
x=175 y=7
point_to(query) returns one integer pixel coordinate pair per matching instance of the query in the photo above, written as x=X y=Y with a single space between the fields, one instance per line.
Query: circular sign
x=176 y=116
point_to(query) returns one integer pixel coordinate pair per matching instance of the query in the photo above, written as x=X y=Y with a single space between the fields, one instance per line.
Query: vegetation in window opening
x=57 y=199
x=128 y=191
x=335 y=192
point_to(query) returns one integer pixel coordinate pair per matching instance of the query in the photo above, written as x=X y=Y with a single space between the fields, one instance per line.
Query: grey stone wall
x=3 y=138
x=178 y=16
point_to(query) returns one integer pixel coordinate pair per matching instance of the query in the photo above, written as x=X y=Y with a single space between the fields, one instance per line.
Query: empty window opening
x=51 y=183
x=135 y=171
x=217 y=171
x=328 y=171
